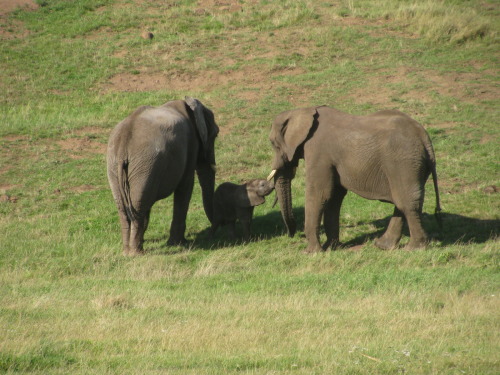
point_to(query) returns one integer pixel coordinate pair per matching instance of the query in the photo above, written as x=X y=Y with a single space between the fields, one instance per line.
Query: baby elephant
x=232 y=201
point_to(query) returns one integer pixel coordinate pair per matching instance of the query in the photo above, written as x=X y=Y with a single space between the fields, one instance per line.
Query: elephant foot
x=331 y=245
x=385 y=244
x=313 y=249
x=417 y=244
x=177 y=242
x=133 y=253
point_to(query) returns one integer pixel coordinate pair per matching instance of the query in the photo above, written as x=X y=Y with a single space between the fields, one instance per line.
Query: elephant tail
x=432 y=165
x=437 y=211
x=124 y=187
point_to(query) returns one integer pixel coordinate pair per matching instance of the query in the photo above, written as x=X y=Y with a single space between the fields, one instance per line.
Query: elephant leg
x=146 y=220
x=182 y=196
x=412 y=211
x=332 y=217
x=125 y=226
x=213 y=229
x=246 y=224
x=418 y=237
x=137 y=229
x=231 y=228
x=390 y=239
x=319 y=188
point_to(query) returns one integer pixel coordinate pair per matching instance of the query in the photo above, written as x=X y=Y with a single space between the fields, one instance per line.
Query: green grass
x=71 y=303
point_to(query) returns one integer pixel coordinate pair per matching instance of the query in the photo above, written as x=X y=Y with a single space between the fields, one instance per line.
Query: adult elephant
x=153 y=153
x=386 y=156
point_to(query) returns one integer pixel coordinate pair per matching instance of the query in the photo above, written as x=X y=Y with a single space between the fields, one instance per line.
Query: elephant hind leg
x=137 y=229
x=392 y=235
x=125 y=227
x=418 y=237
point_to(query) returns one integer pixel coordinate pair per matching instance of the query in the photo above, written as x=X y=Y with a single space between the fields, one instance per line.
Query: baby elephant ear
x=246 y=196
x=254 y=198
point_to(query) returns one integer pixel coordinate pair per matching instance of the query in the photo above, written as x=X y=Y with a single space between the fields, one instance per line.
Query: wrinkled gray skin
x=385 y=156
x=154 y=153
x=233 y=202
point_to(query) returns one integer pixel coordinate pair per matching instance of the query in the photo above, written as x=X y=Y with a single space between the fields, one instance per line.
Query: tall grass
x=447 y=21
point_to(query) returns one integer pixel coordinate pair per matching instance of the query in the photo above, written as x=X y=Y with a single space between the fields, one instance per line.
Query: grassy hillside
x=71 y=303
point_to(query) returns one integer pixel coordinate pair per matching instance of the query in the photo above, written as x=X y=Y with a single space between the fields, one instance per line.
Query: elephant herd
x=386 y=156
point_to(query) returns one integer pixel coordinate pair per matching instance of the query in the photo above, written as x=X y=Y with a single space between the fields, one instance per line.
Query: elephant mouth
x=274 y=171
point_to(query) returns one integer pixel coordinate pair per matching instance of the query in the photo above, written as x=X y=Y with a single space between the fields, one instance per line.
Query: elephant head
x=288 y=133
x=205 y=169
x=253 y=192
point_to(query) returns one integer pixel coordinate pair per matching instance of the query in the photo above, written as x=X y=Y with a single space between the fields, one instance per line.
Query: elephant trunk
x=283 y=189
x=206 y=177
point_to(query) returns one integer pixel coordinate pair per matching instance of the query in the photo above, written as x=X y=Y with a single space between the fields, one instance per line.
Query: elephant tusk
x=214 y=167
x=271 y=175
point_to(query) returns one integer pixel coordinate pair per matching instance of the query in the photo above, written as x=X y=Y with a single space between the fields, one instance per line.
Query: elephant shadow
x=455 y=229
x=263 y=227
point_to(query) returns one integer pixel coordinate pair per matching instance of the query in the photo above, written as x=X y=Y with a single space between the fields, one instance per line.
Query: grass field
x=71 y=303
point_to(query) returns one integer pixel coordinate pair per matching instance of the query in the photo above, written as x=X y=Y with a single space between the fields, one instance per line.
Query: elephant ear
x=295 y=127
x=199 y=118
x=246 y=196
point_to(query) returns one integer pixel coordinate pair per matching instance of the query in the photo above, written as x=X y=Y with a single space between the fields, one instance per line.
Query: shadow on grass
x=263 y=227
x=456 y=229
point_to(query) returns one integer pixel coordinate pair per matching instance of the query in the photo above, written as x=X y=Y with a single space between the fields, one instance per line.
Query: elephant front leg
x=246 y=224
x=392 y=235
x=332 y=218
x=313 y=213
x=182 y=196
x=213 y=229
x=231 y=229
x=245 y=218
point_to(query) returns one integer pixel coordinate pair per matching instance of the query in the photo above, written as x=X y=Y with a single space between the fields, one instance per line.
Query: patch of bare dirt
x=205 y=6
x=404 y=83
x=177 y=81
x=4 y=188
x=377 y=92
x=14 y=29
x=82 y=188
x=468 y=87
x=15 y=138
x=83 y=142
x=7 y=6
x=445 y=125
